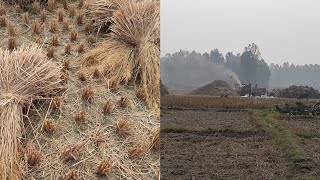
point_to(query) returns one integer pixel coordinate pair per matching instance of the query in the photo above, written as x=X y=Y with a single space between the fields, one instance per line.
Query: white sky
x=284 y=30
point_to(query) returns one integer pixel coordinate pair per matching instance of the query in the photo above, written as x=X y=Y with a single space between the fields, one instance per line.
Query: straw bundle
x=25 y=75
x=130 y=51
x=99 y=12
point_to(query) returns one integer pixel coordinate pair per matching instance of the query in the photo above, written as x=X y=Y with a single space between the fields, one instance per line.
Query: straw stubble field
x=220 y=140
x=89 y=129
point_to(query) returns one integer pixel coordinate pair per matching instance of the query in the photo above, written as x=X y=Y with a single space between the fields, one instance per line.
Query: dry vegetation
x=26 y=75
x=131 y=46
x=174 y=101
x=73 y=136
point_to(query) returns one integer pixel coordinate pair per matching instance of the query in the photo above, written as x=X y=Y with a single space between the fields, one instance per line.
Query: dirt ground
x=210 y=144
x=308 y=129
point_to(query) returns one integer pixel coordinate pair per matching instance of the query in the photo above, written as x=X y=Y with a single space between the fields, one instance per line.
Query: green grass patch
x=282 y=136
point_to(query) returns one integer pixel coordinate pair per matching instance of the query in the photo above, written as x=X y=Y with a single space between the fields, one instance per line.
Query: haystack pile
x=296 y=92
x=25 y=75
x=130 y=52
x=216 y=88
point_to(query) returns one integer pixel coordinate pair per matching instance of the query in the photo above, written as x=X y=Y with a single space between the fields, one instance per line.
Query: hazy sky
x=285 y=30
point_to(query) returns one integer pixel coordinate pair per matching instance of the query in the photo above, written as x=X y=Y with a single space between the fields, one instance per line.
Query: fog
x=285 y=30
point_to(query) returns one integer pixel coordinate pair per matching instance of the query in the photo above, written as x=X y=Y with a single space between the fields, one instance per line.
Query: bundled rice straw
x=99 y=12
x=25 y=75
x=131 y=51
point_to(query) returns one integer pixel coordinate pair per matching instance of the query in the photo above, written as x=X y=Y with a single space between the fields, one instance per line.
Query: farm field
x=94 y=124
x=236 y=141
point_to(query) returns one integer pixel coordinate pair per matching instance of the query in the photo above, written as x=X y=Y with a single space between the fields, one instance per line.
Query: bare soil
x=211 y=144
x=309 y=131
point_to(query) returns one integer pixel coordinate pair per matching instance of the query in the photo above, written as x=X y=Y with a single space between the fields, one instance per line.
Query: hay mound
x=216 y=88
x=131 y=52
x=297 y=92
x=163 y=89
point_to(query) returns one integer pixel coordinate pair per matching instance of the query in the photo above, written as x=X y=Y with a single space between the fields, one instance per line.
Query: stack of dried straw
x=25 y=75
x=131 y=52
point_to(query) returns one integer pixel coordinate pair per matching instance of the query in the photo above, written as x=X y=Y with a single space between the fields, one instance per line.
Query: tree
x=216 y=56
x=253 y=68
x=254 y=49
x=248 y=66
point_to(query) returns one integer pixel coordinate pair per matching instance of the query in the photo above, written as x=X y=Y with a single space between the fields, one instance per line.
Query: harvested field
x=308 y=129
x=183 y=101
x=72 y=133
x=181 y=119
x=232 y=148
x=215 y=139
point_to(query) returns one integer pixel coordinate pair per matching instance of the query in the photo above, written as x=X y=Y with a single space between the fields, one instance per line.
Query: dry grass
x=17 y=8
x=36 y=27
x=80 y=3
x=99 y=136
x=34 y=158
x=43 y=15
x=155 y=139
x=73 y=35
x=60 y=15
x=12 y=29
x=56 y=102
x=175 y=101
x=123 y=127
x=137 y=150
x=79 y=18
x=88 y=26
x=26 y=74
x=53 y=25
x=67 y=49
x=71 y=175
x=36 y=7
x=55 y=40
x=64 y=77
x=67 y=131
x=2 y=9
x=108 y=107
x=12 y=43
x=80 y=48
x=48 y=126
x=87 y=94
x=97 y=73
x=80 y=117
x=73 y=151
x=66 y=64
x=65 y=4
x=66 y=25
x=37 y=39
x=3 y=21
x=130 y=52
x=124 y=102
x=50 y=52
x=90 y=40
x=104 y=168
x=72 y=10
x=25 y=18
x=100 y=12
x=50 y=5
x=82 y=76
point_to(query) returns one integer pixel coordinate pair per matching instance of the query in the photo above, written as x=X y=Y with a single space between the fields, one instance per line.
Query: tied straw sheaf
x=25 y=75
x=131 y=51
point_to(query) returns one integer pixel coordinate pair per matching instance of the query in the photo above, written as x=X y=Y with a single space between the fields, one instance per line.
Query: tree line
x=190 y=67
